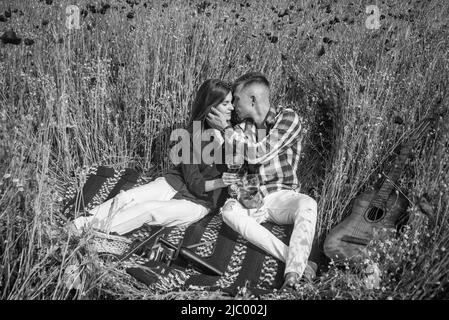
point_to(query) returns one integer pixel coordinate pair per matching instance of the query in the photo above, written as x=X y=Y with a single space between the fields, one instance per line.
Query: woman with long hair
x=185 y=194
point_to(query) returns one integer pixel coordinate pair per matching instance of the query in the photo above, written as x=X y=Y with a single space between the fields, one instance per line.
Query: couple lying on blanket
x=188 y=192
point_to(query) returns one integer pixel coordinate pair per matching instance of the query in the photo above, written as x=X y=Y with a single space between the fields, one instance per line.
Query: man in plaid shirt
x=277 y=154
x=277 y=169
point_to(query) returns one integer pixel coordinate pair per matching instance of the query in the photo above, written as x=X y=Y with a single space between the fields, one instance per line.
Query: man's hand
x=217 y=120
x=229 y=205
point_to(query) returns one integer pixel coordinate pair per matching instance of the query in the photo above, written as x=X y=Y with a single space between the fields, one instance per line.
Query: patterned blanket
x=243 y=265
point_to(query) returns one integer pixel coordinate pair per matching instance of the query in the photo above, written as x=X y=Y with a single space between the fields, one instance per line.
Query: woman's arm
x=198 y=186
x=194 y=179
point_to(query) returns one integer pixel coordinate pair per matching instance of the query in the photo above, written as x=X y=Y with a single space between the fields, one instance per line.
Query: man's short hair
x=250 y=78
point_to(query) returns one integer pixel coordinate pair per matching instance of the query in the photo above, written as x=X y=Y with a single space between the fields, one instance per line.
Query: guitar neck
x=390 y=180
x=394 y=175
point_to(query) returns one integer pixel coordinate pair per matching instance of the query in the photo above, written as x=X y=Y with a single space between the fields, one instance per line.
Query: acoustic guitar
x=378 y=208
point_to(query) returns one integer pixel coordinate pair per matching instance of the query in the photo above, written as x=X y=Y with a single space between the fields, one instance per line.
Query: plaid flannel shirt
x=278 y=151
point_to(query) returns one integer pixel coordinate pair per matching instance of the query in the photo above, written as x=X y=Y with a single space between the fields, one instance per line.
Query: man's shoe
x=291 y=280
x=310 y=271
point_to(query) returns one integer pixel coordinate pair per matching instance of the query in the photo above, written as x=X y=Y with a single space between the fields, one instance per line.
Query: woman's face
x=225 y=107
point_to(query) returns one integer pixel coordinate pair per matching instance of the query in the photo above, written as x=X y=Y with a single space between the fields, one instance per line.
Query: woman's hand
x=223 y=182
x=230 y=178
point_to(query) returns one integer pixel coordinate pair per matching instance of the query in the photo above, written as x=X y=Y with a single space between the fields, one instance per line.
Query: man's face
x=242 y=102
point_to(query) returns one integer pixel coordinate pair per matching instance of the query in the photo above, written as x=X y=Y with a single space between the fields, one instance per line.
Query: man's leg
x=236 y=216
x=158 y=189
x=290 y=207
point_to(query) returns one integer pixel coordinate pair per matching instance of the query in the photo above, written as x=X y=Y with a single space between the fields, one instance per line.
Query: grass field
x=109 y=92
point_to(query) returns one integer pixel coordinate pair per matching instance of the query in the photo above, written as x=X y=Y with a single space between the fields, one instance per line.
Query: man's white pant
x=151 y=203
x=282 y=207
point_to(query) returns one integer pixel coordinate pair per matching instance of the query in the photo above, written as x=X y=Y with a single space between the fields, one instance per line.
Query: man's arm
x=285 y=131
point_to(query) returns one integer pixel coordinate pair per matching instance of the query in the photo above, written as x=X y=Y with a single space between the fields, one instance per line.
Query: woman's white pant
x=151 y=203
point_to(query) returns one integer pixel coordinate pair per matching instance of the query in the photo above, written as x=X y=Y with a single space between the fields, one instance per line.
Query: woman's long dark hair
x=210 y=94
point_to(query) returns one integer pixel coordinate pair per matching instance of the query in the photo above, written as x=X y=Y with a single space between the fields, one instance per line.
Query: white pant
x=151 y=203
x=282 y=207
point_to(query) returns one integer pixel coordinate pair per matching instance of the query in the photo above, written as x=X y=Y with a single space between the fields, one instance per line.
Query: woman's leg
x=157 y=190
x=162 y=213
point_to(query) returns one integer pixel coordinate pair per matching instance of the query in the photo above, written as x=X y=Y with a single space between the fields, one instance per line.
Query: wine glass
x=234 y=166
x=249 y=194
x=251 y=181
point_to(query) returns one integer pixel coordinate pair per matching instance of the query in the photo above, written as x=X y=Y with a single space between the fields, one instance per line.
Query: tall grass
x=110 y=93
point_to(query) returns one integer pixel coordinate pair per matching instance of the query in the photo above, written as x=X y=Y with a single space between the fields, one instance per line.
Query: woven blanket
x=243 y=265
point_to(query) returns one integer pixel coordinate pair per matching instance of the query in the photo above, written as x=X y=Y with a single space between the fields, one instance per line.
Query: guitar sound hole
x=374 y=214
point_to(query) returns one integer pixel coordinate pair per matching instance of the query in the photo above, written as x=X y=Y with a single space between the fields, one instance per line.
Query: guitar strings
x=357 y=232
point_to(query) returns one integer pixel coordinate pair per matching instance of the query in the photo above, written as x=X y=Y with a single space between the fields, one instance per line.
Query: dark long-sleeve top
x=190 y=180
